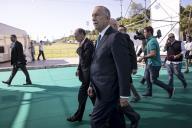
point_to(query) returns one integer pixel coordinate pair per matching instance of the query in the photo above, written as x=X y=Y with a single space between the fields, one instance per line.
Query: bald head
x=122 y=29
x=113 y=23
x=104 y=10
x=171 y=37
x=80 y=34
x=101 y=17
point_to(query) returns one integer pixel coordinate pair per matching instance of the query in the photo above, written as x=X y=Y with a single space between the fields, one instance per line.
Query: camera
x=158 y=34
x=139 y=35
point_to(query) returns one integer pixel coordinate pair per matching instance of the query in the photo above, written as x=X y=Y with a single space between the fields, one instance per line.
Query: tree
x=136 y=8
x=185 y=23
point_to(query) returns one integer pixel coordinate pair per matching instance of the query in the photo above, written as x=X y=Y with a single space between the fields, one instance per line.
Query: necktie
x=98 y=40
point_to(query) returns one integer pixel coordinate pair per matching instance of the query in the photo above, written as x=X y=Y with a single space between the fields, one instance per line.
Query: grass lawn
x=58 y=50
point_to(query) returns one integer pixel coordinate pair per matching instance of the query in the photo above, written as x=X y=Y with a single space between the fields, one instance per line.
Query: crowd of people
x=106 y=68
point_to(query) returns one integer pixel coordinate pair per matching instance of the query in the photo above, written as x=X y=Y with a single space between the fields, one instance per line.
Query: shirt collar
x=12 y=45
x=82 y=41
x=149 y=38
x=102 y=33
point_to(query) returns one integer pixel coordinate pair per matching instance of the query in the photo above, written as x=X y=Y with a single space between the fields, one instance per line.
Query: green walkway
x=53 y=98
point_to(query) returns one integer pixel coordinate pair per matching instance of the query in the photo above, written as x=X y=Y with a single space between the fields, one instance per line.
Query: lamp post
x=121 y=6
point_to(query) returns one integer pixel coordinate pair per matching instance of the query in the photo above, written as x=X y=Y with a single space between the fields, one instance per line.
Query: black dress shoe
x=186 y=71
x=73 y=119
x=147 y=94
x=185 y=85
x=171 y=92
x=6 y=82
x=28 y=83
x=135 y=124
x=142 y=81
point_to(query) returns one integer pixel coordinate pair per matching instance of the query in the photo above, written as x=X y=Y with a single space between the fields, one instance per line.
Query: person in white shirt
x=41 y=50
x=188 y=54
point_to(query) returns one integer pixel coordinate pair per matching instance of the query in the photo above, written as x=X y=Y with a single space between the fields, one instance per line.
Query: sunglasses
x=171 y=37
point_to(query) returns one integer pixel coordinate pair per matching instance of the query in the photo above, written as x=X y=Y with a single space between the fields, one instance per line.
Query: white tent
x=5 y=32
x=165 y=16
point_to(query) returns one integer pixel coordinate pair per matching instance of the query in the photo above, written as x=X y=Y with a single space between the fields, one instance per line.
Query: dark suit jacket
x=17 y=56
x=85 y=53
x=111 y=67
x=132 y=53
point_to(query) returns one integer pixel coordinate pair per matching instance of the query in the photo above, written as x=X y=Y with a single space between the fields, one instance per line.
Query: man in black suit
x=109 y=70
x=133 y=58
x=85 y=52
x=18 y=61
x=133 y=116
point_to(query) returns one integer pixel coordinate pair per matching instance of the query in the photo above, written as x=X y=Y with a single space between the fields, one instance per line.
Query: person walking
x=153 y=64
x=109 y=70
x=175 y=51
x=188 y=54
x=18 y=61
x=32 y=49
x=41 y=50
x=85 y=52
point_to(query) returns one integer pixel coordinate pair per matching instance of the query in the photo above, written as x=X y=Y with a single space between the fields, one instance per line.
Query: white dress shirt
x=102 y=33
x=188 y=47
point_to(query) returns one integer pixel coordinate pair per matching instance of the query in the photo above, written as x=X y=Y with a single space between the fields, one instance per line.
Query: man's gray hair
x=106 y=11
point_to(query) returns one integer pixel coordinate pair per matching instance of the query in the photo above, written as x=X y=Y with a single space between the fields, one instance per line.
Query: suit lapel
x=14 y=47
x=101 y=42
x=85 y=41
x=103 y=39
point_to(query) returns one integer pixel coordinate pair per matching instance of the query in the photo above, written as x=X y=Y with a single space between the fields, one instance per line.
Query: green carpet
x=53 y=98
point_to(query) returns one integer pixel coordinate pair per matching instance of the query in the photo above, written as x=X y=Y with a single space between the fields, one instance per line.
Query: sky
x=53 y=19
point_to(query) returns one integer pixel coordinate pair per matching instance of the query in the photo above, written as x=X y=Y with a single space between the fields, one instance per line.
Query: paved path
x=50 y=63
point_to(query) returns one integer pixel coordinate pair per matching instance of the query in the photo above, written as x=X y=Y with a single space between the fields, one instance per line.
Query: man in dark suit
x=133 y=116
x=85 y=52
x=133 y=58
x=18 y=61
x=109 y=70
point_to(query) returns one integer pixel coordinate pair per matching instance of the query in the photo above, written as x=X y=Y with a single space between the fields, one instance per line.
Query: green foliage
x=136 y=8
x=185 y=24
x=140 y=18
x=136 y=22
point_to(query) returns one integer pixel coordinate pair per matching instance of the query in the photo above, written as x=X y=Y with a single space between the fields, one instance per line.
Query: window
x=2 y=49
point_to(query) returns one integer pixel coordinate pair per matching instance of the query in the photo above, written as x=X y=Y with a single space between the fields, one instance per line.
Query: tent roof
x=9 y=30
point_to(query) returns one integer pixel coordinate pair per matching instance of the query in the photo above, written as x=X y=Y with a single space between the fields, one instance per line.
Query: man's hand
x=176 y=56
x=124 y=102
x=140 y=59
x=90 y=92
